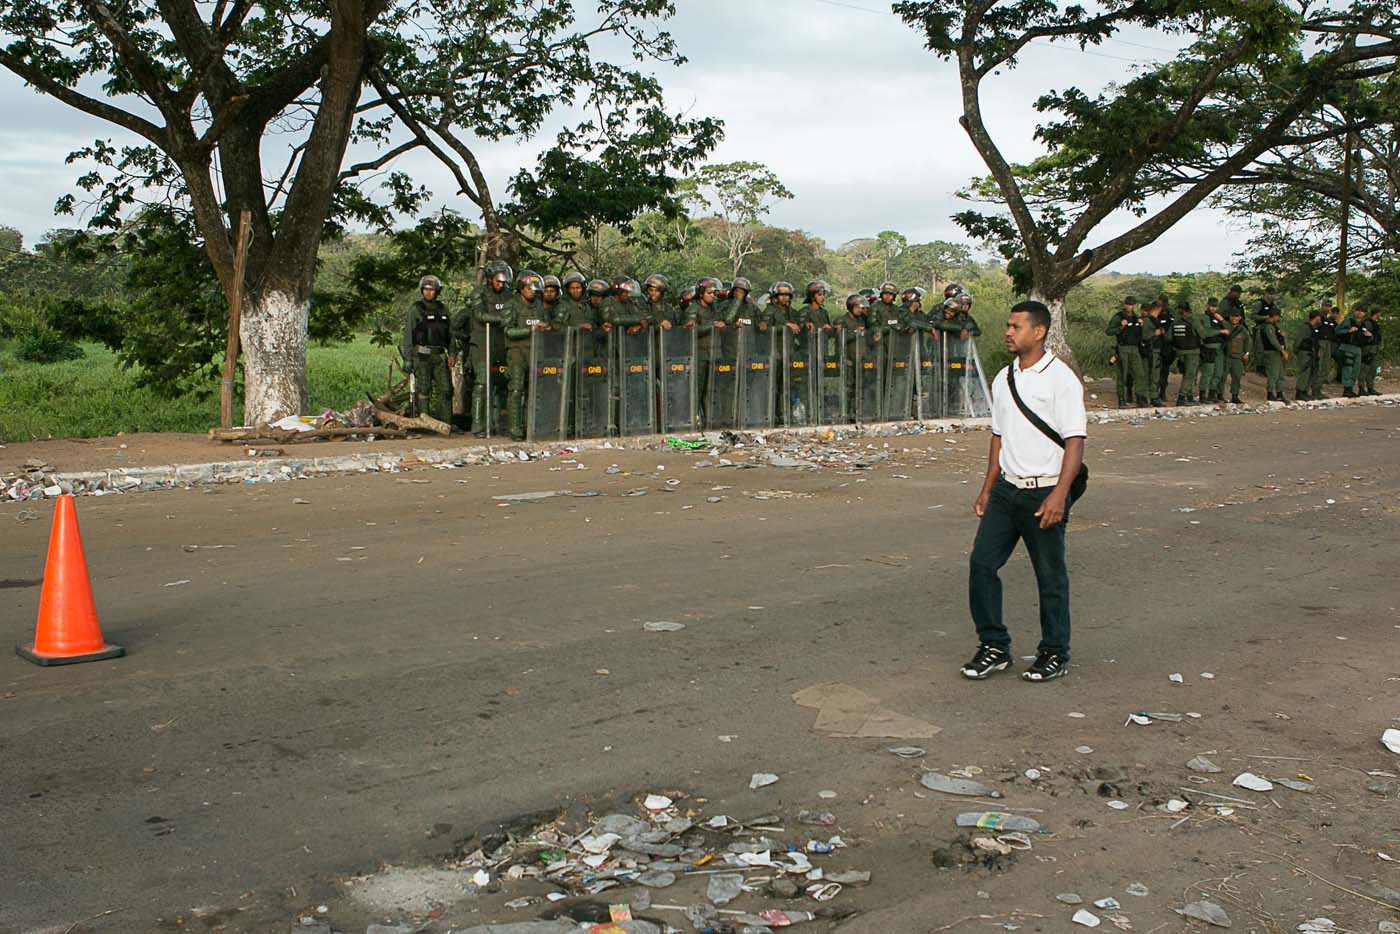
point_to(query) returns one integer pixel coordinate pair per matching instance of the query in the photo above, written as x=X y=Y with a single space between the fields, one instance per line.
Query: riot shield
x=636 y=413
x=592 y=384
x=899 y=375
x=496 y=380
x=830 y=390
x=801 y=376
x=756 y=377
x=928 y=370
x=551 y=366
x=677 y=410
x=869 y=363
x=965 y=392
x=722 y=404
x=977 y=399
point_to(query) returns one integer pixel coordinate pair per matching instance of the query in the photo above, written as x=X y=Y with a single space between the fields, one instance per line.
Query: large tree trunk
x=273 y=333
x=1058 y=338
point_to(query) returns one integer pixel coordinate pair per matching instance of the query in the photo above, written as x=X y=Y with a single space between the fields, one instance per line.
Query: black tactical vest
x=1184 y=336
x=1130 y=336
x=433 y=328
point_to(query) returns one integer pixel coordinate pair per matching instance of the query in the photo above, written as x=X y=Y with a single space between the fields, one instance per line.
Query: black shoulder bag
x=1081 y=479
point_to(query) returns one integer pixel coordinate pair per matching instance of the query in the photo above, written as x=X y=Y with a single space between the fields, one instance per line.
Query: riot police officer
x=486 y=323
x=428 y=350
x=523 y=314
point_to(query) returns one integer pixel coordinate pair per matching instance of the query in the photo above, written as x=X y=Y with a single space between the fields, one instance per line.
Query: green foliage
x=99 y=396
x=25 y=319
x=1244 y=77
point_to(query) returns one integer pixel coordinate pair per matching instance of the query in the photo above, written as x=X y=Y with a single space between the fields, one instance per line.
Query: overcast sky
x=838 y=97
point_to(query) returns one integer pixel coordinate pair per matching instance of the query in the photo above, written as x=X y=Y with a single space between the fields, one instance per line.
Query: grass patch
x=94 y=396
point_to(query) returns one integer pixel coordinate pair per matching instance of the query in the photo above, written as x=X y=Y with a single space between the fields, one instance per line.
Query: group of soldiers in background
x=707 y=355
x=1224 y=341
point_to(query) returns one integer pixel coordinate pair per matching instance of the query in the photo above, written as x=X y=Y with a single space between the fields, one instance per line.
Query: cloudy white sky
x=803 y=86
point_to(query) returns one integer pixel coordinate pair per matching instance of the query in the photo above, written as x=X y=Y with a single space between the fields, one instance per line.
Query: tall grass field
x=94 y=396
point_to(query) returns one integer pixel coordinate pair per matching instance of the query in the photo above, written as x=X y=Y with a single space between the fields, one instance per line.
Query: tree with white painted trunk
x=205 y=85
x=1152 y=148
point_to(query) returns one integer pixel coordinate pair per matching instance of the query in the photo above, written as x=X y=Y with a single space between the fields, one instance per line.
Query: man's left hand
x=1052 y=511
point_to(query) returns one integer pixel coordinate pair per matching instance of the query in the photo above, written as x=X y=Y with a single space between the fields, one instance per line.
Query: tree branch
x=100 y=109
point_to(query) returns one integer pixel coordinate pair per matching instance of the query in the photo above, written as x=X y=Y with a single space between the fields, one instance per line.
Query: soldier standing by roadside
x=1327 y=350
x=1370 y=357
x=487 y=312
x=1275 y=345
x=1213 y=354
x=1188 y=333
x=1236 y=352
x=1353 y=334
x=1155 y=343
x=704 y=315
x=1307 y=350
x=1259 y=312
x=1125 y=327
x=522 y=315
x=1026 y=495
x=428 y=351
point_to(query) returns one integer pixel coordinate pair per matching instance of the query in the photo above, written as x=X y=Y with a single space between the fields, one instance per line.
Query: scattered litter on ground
x=1391 y=740
x=762 y=780
x=1086 y=917
x=663 y=626
x=935 y=781
x=997 y=820
x=1202 y=764
x=1209 y=912
x=1252 y=782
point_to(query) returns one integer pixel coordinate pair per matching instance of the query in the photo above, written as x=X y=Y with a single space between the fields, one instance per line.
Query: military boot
x=479 y=412
x=515 y=415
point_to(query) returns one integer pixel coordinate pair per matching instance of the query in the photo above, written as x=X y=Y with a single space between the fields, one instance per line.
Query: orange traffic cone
x=68 y=630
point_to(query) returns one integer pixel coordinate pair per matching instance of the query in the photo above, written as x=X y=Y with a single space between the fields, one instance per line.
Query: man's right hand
x=980 y=506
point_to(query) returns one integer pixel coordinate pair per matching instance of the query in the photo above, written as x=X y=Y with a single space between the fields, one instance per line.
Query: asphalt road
x=368 y=677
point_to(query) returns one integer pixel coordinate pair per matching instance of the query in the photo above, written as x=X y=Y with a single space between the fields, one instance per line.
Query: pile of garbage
x=618 y=868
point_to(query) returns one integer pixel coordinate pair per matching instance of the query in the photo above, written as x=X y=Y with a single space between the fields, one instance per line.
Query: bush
x=26 y=320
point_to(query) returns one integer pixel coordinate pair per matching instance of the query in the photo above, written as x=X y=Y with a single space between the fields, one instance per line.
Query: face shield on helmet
x=656 y=281
x=687 y=295
x=431 y=282
x=498 y=273
x=857 y=301
x=888 y=288
x=597 y=288
x=815 y=286
x=951 y=289
x=741 y=283
x=627 y=288
x=529 y=280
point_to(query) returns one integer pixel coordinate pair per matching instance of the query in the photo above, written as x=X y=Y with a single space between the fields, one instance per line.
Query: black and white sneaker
x=988 y=660
x=1047 y=667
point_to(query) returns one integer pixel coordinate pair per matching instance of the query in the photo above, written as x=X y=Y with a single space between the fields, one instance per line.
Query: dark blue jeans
x=1009 y=518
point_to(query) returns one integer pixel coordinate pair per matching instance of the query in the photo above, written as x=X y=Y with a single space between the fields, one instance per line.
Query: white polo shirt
x=1051 y=390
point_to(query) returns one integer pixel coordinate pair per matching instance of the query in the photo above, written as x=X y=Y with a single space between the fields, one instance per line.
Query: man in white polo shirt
x=1027 y=494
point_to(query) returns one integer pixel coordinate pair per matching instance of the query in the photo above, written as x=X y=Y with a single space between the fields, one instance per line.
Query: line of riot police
x=553 y=358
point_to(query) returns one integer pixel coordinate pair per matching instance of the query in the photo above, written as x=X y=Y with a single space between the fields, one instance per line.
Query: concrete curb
x=40 y=485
